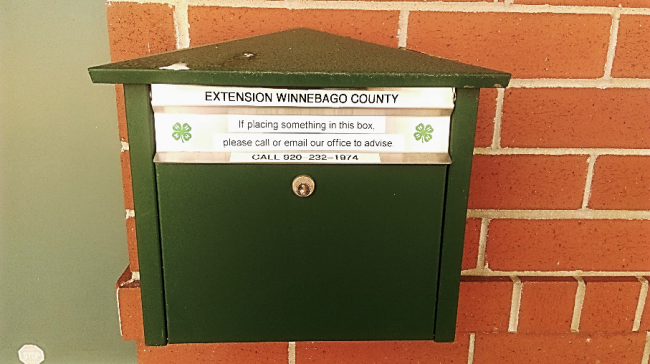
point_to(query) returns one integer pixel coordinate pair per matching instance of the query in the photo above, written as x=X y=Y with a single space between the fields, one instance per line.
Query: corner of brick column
x=129 y=306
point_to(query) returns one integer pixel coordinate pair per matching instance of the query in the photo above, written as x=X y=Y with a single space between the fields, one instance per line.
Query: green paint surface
x=247 y=260
x=62 y=234
x=463 y=127
x=145 y=202
x=300 y=58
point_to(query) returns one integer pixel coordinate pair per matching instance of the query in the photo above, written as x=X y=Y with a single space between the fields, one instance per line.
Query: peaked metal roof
x=298 y=58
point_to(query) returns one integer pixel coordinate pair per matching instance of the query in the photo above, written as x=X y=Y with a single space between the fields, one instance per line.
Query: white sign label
x=346 y=158
x=333 y=142
x=306 y=124
x=257 y=125
x=211 y=133
x=416 y=97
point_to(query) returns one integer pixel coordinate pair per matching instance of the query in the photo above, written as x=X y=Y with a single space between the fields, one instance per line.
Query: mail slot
x=299 y=186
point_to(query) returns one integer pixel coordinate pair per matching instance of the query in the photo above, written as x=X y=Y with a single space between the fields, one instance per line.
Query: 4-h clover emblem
x=182 y=133
x=423 y=132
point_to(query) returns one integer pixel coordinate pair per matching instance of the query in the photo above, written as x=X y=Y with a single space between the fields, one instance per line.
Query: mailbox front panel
x=244 y=259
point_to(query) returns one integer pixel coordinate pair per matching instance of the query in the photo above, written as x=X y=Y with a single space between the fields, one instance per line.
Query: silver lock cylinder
x=303 y=186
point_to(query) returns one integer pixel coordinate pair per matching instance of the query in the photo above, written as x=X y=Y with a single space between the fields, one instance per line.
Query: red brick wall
x=558 y=234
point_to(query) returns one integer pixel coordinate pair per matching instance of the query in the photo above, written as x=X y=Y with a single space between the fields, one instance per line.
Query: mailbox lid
x=244 y=259
x=298 y=58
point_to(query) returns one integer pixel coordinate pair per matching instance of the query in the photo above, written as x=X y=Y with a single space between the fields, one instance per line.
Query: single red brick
x=612 y=3
x=527 y=45
x=127 y=186
x=527 y=182
x=129 y=307
x=621 y=183
x=576 y=118
x=487 y=107
x=136 y=30
x=132 y=244
x=546 y=304
x=561 y=245
x=632 y=57
x=484 y=304
x=558 y=348
x=121 y=114
x=210 y=24
x=645 y=316
x=472 y=237
x=610 y=304
x=224 y=353
x=376 y=352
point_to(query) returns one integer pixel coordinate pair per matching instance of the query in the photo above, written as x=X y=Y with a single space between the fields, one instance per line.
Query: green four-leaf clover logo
x=423 y=132
x=182 y=133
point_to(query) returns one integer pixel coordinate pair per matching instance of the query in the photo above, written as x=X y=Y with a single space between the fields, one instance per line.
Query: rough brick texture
x=121 y=114
x=470 y=249
x=549 y=245
x=621 y=183
x=127 y=186
x=484 y=304
x=485 y=120
x=576 y=118
x=546 y=304
x=527 y=182
x=560 y=349
x=527 y=45
x=633 y=47
x=136 y=30
x=132 y=244
x=388 y=352
x=215 y=24
x=229 y=353
x=612 y=3
x=129 y=303
x=610 y=304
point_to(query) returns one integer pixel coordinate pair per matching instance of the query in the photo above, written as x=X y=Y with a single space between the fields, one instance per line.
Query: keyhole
x=304 y=190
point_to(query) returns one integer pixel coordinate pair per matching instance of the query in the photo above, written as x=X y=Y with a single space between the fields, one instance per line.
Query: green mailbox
x=299 y=186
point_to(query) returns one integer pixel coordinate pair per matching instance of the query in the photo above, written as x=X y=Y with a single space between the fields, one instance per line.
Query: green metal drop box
x=231 y=250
